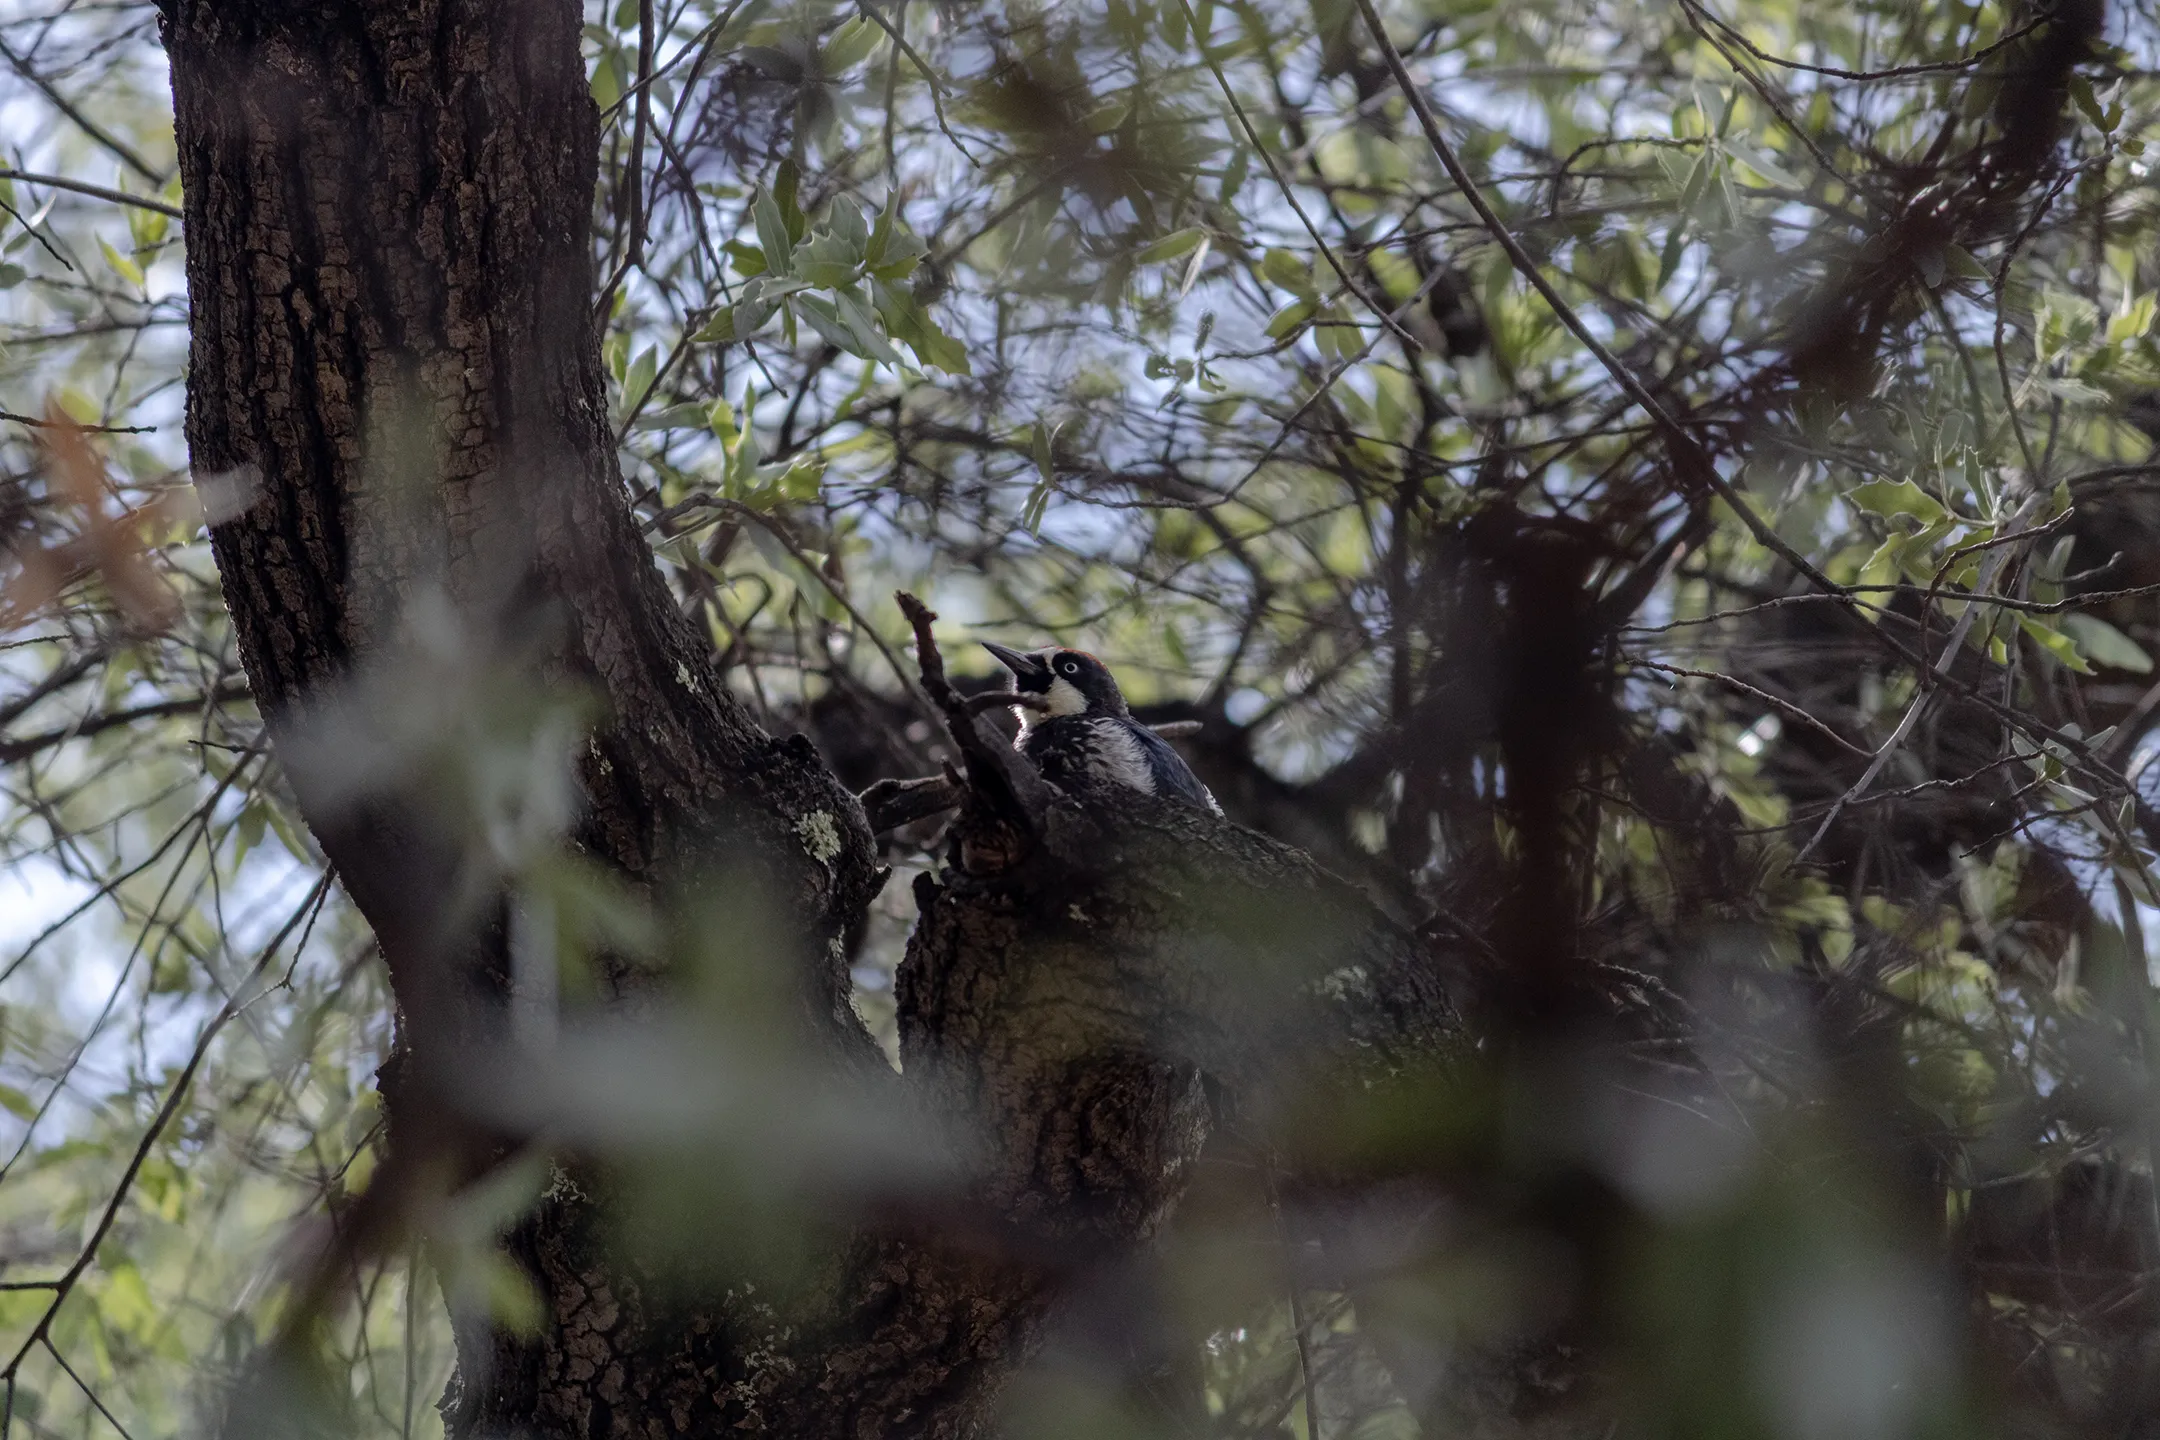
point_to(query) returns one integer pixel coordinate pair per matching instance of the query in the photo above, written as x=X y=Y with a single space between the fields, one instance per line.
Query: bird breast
x=1099 y=750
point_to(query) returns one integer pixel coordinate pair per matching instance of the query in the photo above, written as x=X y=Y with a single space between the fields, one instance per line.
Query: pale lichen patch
x=560 y=1186
x=1349 y=980
x=820 y=836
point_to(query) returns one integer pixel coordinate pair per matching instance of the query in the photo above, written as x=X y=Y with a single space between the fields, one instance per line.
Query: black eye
x=1070 y=667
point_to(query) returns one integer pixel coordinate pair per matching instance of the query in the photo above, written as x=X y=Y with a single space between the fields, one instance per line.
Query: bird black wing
x=1173 y=777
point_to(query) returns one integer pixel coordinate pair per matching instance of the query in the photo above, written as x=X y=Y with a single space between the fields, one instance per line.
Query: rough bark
x=396 y=407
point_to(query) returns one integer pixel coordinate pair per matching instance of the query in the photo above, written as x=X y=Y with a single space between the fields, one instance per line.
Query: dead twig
x=993 y=766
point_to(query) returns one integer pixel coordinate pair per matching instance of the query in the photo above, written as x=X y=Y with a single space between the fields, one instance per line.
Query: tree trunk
x=398 y=418
x=397 y=414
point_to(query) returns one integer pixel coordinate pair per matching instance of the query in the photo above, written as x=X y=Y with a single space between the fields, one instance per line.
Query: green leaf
x=846 y=224
x=2076 y=392
x=2064 y=321
x=1234 y=175
x=16 y=1103
x=607 y=78
x=800 y=480
x=122 y=266
x=1761 y=164
x=721 y=420
x=147 y=227
x=942 y=350
x=1171 y=246
x=1290 y=317
x=124 y=1301
x=11 y=275
x=881 y=232
x=513 y=1301
x=1698 y=177
x=1896 y=497
x=1960 y=262
x=857 y=318
x=2106 y=645
x=743 y=460
x=898 y=253
x=827 y=260
x=248 y=832
x=1288 y=270
x=907 y=321
x=719 y=329
x=773 y=237
x=1194 y=265
x=1675 y=247
x=769 y=288
x=2055 y=642
x=639 y=378
x=2081 y=91
x=749 y=259
x=282 y=827
x=1038 y=499
x=785 y=189
x=2132 y=321
x=826 y=321
x=849 y=46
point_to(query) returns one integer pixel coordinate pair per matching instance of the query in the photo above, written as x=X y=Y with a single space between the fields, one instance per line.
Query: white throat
x=1062 y=699
x=1065 y=698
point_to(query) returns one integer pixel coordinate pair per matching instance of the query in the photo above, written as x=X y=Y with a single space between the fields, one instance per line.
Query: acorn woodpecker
x=1088 y=739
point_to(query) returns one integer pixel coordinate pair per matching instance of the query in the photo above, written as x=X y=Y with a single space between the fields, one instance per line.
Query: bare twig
x=890 y=804
x=1783 y=707
x=100 y=192
x=1896 y=72
x=36 y=424
x=84 y=123
x=989 y=759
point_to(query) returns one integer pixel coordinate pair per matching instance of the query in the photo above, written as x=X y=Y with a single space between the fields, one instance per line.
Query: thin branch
x=643 y=121
x=988 y=757
x=1899 y=72
x=937 y=86
x=36 y=424
x=100 y=192
x=83 y=122
x=14 y=750
x=1784 y=707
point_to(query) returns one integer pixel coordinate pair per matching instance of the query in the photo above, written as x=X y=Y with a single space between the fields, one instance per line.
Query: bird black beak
x=1029 y=671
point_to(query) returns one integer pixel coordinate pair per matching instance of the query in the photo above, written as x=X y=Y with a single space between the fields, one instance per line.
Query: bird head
x=1071 y=682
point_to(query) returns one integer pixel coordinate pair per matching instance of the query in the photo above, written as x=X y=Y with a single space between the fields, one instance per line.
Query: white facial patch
x=1065 y=699
x=1062 y=697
